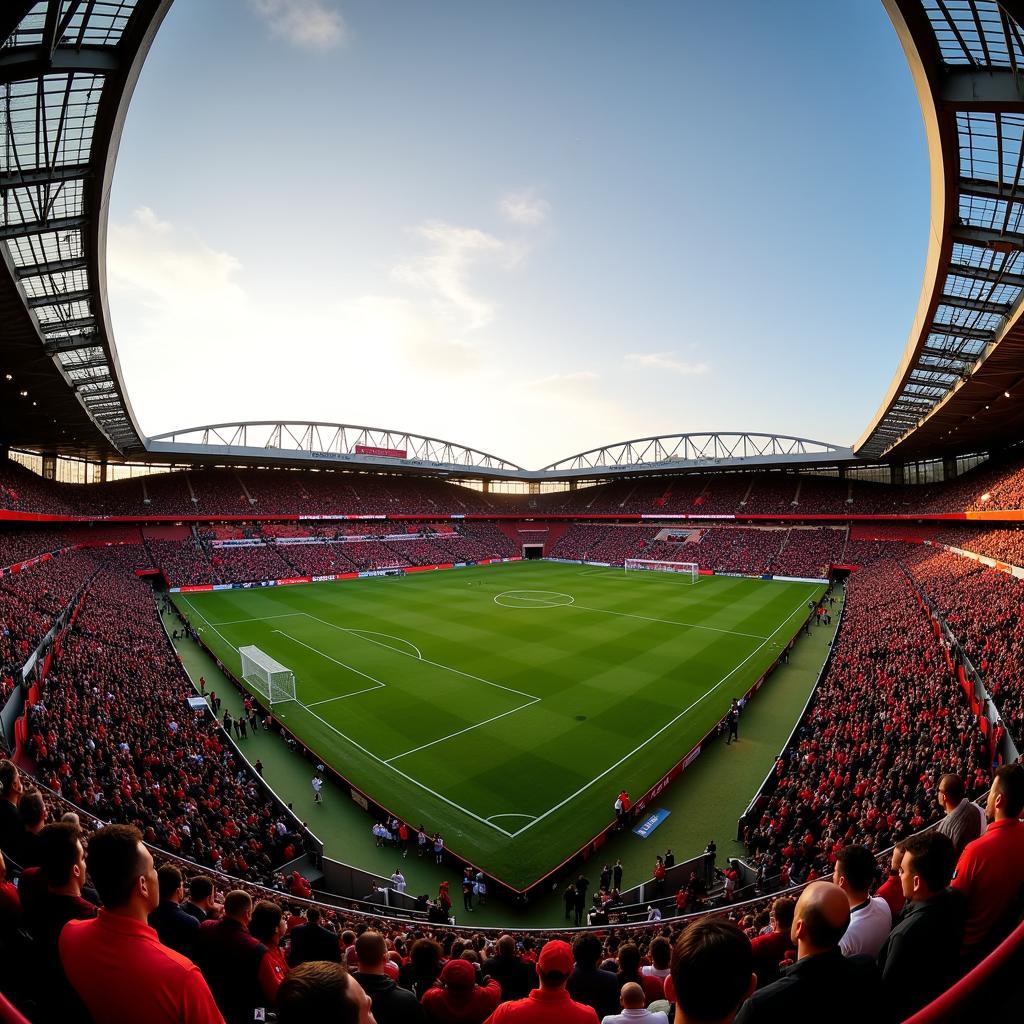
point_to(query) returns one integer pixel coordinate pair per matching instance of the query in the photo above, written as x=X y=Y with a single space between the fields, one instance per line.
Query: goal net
x=266 y=676
x=686 y=570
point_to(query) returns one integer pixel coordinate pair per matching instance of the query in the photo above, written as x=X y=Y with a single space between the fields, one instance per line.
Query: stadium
x=348 y=674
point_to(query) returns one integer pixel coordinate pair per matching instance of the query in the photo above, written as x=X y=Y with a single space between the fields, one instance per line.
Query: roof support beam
x=35 y=227
x=43 y=175
x=993 y=274
x=987 y=238
x=990 y=190
x=971 y=88
x=68 y=325
x=76 y=344
x=954 y=331
x=59 y=299
x=53 y=267
x=977 y=305
x=22 y=62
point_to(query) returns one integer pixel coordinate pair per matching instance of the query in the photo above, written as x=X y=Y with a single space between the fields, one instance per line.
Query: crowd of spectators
x=1007 y=545
x=810 y=552
x=886 y=721
x=983 y=609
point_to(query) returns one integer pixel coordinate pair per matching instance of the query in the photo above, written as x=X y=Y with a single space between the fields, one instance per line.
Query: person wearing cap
x=461 y=1000
x=551 y=1003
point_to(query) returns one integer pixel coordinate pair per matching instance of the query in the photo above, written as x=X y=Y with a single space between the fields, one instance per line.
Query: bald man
x=822 y=984
x=633 y=1003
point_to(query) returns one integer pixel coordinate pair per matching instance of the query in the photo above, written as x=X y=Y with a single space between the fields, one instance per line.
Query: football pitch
x=505 y=706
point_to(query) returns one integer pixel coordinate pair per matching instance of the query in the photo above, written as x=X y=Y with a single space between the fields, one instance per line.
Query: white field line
x=365 y=634
x=377 y=683
x=667 y=725
x=258 y=618
x=469 y=728
x=436 y=664
x=345 y=696
x=409 y=778
x=196 y=611
x=668 y=622
x=511 y=815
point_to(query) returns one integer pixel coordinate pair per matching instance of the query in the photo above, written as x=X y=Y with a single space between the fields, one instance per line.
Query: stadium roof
x=960 y=384
x=67 y=72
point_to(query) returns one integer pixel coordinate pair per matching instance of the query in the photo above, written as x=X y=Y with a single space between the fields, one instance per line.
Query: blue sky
x=530 y=227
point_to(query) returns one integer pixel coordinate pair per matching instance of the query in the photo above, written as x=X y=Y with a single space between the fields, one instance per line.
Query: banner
x=383 y=453
x=650 y=823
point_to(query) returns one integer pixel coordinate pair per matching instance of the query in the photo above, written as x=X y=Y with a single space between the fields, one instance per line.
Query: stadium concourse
x=891 y=723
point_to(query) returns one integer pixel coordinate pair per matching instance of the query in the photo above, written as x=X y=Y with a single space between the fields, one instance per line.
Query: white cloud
x=666 y=361
x=309 y=24
x=443 y=270
x=525 y=208
x=560 y=379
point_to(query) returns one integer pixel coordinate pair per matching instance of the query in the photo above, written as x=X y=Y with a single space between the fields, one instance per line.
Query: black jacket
x=920 y=958
x=596 y=988
x=515 y=976
x=229 y=958
x=313 y=942
x=391 y=1004
x=174 y=927
x=827 y=987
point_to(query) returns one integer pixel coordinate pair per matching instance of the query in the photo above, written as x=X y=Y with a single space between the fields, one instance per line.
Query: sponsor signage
x=383 y=453
x=650 y=823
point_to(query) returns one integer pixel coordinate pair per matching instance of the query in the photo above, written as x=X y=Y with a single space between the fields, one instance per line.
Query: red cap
x=555 y=958
x=458 y=974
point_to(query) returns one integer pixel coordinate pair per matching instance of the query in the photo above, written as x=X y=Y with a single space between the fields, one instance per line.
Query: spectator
x=629 y=971
x=311 y=941
x=201 y=899
x=12 y=830
x=990 y=871
x=891 y=890
x=551 y=1002
x=322 y=992
x=391 y=1004
x=515 y=976
x=460 y=1000
x=588 y=984
x=920 y=958
x=964 y=821
x=33 y=816
x=230 y=959
x=268 y=926
x=115 y=962
x=633 y=1003
x=771 y=949
x=822 y=982
x=174 y=927
x=870 y=916
x=660 y=952
x=423 y=967
x=712 y=973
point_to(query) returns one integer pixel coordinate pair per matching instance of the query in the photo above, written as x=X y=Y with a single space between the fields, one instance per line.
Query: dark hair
x=586 y=949
x=115 y=863
x=31 y=808
x=200 y=888
x=169 y=878
x=629 y=963
x=661 y=952
x=313 y=915
x=1010 y=780
x=58 y=852
x=858 y=866
x=266 y=917
x=8 y=773
x=238 y=901
x=316 y=992
x=933 y=856
x=711 y=967
x=783 y=909
x=371 y=949
x=954 y=787
x=425 y=955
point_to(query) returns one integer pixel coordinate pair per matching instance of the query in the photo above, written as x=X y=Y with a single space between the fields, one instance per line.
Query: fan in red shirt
x=551 y=1003
x=461 y=1000
x=769 y=950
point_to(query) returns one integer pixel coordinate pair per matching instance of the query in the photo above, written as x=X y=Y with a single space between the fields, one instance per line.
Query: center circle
x=533 y=599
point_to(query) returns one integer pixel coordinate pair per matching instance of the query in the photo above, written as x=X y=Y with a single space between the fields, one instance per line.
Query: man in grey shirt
x=964 y=821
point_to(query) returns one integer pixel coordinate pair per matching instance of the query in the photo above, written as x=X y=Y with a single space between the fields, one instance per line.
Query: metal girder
x=35 y=227
x=977 y=305
x=986 y=189
x=75 y=344
x=973 y=88
x=12 y=12
x=987 y=238
x=68 y=325
x=21 y=62
x=949 y=357
x=53 y=267
x=957 y=331
x=59 y=299
x=993 y=274
x=43 y=175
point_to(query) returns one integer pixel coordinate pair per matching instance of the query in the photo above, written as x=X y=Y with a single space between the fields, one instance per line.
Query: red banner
x=385 y=453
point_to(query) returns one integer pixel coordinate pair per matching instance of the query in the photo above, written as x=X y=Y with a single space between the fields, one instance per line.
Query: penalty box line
x=668 y=725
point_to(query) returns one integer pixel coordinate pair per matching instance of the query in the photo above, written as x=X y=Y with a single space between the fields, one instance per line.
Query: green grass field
x=507 y=705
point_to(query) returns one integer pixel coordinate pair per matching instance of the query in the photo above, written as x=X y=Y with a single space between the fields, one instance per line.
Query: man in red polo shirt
x=115 y=962
x=551 y=1003
x=990 y=872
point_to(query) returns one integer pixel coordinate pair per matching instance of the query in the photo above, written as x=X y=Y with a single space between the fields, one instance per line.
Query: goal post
x=685 y=570
x=267 y=677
